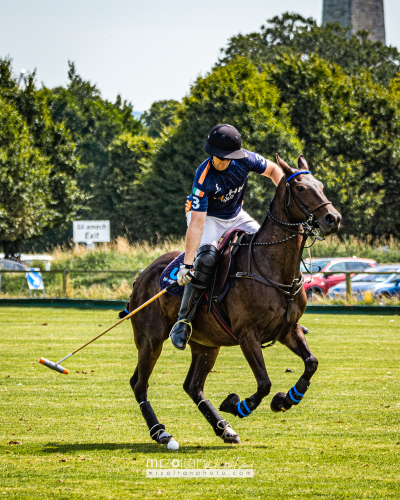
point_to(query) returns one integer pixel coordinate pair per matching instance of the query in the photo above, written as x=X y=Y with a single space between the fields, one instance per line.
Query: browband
x=298 y=173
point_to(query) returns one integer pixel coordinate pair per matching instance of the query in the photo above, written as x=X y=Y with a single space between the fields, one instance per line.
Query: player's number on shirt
x=195 y=203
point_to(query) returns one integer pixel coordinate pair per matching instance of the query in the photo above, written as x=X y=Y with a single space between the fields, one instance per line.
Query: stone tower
x=360 y=14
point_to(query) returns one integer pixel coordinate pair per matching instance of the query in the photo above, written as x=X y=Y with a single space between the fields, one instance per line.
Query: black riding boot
x=182 y=329
x=204 y=265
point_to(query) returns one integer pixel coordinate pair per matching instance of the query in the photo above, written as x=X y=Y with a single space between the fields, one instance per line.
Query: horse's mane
x=269 y=207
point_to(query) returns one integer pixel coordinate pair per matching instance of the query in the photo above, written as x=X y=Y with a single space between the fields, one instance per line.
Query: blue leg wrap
x=242 y=408
x=296 y=393
x=295 y=401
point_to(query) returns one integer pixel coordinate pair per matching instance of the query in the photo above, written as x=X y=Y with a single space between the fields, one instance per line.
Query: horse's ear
x=284 y=166
x=302 y=164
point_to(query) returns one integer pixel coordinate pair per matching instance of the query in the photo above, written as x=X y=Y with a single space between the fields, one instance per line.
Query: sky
x=145 y=51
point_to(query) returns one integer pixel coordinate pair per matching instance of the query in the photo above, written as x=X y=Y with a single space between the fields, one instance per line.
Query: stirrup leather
x=186 y=323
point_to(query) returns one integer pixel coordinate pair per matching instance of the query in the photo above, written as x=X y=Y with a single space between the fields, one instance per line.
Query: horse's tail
x=125 y=312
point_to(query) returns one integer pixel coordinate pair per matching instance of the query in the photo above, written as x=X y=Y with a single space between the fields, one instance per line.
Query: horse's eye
x=300 y=188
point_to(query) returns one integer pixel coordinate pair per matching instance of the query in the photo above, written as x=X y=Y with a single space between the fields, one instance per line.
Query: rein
x=307 y=230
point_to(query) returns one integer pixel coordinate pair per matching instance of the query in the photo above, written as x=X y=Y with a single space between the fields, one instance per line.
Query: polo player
x=214 y=207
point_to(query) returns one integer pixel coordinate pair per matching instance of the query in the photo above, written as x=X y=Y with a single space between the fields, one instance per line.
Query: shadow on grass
x=131 y=447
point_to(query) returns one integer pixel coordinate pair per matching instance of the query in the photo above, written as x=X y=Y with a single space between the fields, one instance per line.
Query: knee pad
x=204 y=265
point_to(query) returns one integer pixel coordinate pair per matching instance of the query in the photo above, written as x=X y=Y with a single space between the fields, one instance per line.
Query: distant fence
x=134 y=273
x=67 y=272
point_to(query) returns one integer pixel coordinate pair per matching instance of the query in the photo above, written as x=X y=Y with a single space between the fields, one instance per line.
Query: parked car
x=319 y=283
x=378 y=285
x=29 y=260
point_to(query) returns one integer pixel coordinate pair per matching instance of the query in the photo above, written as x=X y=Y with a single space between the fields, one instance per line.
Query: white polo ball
x=173 y=445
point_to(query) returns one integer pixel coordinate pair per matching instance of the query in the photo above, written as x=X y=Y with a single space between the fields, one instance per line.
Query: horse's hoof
x=232 y=439
x=277 y=402
x=229 y=404
x=230 y=436
x=164 y=438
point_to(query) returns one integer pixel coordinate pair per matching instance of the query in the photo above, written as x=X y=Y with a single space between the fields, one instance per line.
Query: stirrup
x=186 y=323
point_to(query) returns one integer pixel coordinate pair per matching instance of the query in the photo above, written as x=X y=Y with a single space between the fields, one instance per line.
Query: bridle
x=290 y=194
x=305 y=229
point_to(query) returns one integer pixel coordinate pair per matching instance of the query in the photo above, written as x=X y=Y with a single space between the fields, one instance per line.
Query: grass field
x=82 y=435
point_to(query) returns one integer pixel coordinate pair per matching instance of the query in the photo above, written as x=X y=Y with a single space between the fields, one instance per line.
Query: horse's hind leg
x=203 y=359
x=296 y=342
x=149 y=353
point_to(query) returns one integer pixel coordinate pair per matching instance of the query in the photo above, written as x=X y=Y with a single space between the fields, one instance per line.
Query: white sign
x=91 y=231
x=35 y=281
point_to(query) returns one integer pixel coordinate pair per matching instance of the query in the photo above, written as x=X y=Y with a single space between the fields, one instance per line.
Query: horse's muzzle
x=329 y=223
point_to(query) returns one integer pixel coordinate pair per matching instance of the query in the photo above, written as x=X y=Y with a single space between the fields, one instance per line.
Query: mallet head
x=53 y=366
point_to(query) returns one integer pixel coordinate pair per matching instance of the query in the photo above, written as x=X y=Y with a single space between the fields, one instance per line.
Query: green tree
x=94 y=123
x=130 y=161
x=161 y=115
x=346 y=126
x=24 y=175
x=235 y=94
x=349 y=127
x=292 y=34
x=38 y=178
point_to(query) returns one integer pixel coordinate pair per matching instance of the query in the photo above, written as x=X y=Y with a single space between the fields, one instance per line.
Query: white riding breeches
x=215 y=228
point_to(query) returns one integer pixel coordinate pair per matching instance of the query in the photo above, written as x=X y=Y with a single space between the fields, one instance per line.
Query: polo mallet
x=58 y=368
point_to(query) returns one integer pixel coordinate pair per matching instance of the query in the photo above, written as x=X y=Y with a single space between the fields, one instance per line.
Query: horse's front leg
x=251 y=349
x=203 y=359
x=297 y=343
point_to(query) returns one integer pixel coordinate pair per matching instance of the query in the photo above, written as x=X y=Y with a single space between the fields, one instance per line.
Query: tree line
x=293 y=87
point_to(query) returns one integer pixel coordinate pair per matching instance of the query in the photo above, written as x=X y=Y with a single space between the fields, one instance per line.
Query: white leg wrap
x=228 y=432
x=164 y=434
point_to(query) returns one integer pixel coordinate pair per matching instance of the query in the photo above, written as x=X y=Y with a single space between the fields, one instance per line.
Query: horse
x=261 y=309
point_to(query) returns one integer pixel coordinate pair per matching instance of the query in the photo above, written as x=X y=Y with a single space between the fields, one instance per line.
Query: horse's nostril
x=330 y=219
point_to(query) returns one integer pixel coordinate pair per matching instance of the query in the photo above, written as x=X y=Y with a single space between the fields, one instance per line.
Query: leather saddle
x=220 y=284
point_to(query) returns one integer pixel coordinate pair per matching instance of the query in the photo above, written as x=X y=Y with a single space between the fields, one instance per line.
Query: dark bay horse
x=256 y=311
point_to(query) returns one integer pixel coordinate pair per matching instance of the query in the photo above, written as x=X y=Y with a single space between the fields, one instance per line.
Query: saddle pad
x=169 y=275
